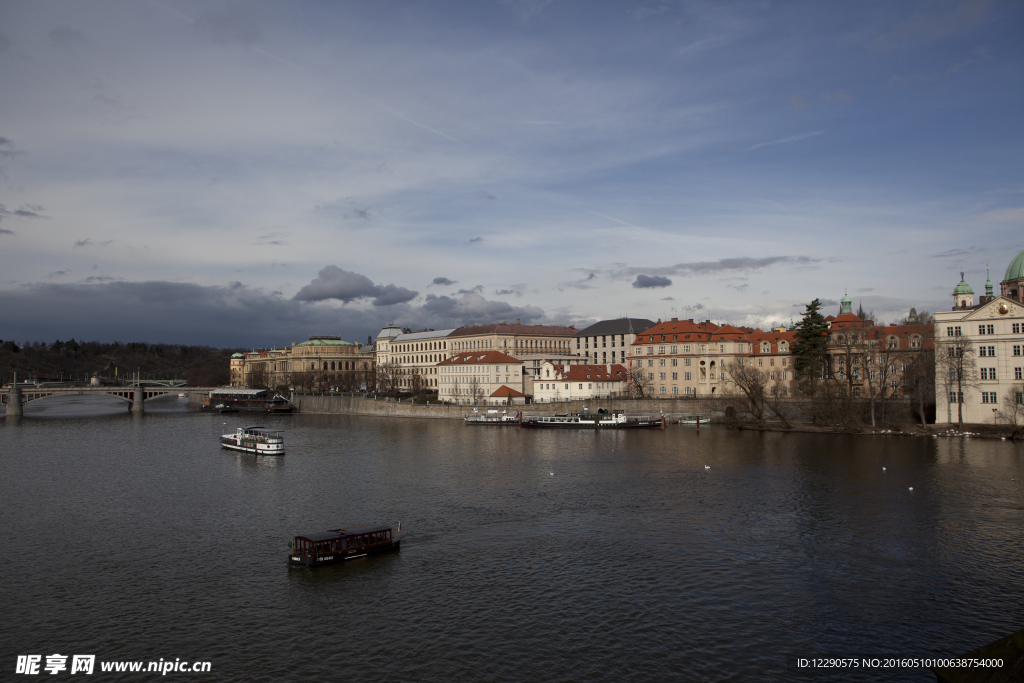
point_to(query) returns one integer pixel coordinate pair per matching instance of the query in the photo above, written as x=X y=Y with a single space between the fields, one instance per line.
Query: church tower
x=988 y=285
x=845 y=304
x=963 y=295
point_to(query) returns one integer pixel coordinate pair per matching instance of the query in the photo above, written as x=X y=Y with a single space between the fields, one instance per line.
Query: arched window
x=332 y=365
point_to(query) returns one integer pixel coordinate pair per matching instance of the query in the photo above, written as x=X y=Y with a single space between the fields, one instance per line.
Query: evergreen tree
x=811 y=338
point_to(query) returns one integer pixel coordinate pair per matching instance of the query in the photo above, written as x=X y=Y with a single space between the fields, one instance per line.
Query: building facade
x=565 y=382
x=979 y=349
x=609 y=341
x=472 y=377
x=408 y=361
x=321 y=362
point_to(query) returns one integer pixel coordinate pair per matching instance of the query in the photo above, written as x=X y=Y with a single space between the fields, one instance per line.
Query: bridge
x=14 y=399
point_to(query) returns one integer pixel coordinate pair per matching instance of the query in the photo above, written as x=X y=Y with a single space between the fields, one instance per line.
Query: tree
x=955 y=363
x=259 y=376
x=1013 y=409
x=920 y=379
x=750 y=384
x=637 y=382
x=387 y=377
x=811 y=338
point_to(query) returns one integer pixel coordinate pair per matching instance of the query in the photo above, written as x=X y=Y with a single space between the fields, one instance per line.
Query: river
x=527 y=555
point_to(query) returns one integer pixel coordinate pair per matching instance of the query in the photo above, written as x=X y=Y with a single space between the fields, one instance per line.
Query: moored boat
x=492 y=417
x=254 y=440
x=235 y=399
x=615 y=419
x=338 y=545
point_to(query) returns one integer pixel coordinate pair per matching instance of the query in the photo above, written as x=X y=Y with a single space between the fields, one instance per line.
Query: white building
x=408 y=360
x=472 y=377
x=557 y=382
x=609 y=341
x=993 y=385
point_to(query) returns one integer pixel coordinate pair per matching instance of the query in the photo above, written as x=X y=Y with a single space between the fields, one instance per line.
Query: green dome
x=1015 y=271
x=846 y=299
x=963 y=287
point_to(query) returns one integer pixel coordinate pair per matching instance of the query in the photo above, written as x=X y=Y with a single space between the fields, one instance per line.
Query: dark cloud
x=957 y=253
x=712 y=267
x=63 y=36
x=359 y=213
x=828 y=302
x=442 y=281
x=89 y=242
x=232 y=25
x=504 y=292
x=649 y=281
x=95 y=279
x=476 y=240
x=183 y=313
x=484 y=196
x=335 y=283
x=6 y=142
x=27 y=211
x=471 y=307
x=479 y=289
x=4 y=231
x=668 y=298
x=739 y=288
x=58 y=273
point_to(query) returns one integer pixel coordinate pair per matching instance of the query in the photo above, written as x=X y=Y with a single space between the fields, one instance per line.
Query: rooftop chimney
x=517 y=321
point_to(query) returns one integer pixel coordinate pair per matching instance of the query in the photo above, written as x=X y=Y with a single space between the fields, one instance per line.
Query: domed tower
x=845 y=304
x=1012 y=285
x=963 y=295
x=988 y=285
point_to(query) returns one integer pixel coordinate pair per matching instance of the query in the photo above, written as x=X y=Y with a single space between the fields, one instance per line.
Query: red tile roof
x=524 y=330
x=684 y=330
x=591 y=373
x=506 y=392
x=484 y=357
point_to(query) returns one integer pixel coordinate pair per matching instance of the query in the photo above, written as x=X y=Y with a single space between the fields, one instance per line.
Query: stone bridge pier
x=137 y=401
x=14 y=408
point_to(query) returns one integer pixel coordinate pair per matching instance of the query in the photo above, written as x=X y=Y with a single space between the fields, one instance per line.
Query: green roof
x=237 y=355
x=325 y=342
x=1015 y=271
x=963 y=288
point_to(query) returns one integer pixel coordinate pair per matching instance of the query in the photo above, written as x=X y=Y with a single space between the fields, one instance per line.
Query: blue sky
x=251 y=173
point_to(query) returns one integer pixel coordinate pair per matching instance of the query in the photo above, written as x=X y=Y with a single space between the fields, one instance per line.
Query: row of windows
x=984 y=329
x=587 y=341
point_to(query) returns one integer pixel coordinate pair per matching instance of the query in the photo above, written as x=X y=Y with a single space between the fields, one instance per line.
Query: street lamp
x=994 y=411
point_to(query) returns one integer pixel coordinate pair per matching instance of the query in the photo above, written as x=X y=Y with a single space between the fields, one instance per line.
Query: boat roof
x=237 y=391
x=346 y=531
x=263 y=430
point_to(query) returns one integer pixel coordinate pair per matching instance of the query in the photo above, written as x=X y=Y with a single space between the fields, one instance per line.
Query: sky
x=246 y=174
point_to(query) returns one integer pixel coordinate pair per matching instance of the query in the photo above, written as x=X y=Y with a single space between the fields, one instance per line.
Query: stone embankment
x=357 y=405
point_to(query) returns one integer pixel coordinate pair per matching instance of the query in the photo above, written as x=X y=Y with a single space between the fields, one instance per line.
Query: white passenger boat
x=492 y=418
x=255 y=440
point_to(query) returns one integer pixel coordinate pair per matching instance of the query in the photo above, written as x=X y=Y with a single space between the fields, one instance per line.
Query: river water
x=526 y=555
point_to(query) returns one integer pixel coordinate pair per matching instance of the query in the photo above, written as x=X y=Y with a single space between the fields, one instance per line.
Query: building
x=979 y=353
x=683 y=358
x=408 y=361
x=609 y=341
x=566 y=382
x=481 y=376
x=531 y=343
x=320 y=362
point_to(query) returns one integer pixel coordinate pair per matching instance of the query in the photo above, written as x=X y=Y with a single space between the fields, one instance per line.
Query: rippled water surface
x=526 y=556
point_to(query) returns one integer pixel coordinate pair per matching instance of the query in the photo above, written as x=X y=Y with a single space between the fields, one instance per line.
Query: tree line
x=73 y=360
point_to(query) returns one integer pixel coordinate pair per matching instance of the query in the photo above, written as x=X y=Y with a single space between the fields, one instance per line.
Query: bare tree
x=387 y=377
x=1013 y=409
x=920 y=378
x=259 y=376
x=637 y=380
x=955 y=360
x=750 y=384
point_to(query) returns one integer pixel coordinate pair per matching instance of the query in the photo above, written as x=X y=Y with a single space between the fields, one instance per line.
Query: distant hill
x=199 y=365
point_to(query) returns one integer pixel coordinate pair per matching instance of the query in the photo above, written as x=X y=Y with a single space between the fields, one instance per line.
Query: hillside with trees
x=78 y=361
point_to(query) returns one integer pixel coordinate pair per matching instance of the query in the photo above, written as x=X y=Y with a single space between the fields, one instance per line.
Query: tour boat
x=615 y=419
x=493 y=418
x=338 y=545
x=255 y=440
x=234 y=399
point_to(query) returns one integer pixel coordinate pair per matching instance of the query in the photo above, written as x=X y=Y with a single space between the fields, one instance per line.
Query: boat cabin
x=341 y=544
